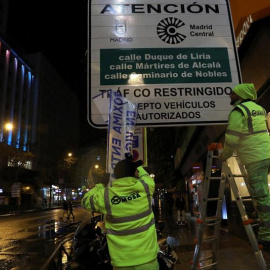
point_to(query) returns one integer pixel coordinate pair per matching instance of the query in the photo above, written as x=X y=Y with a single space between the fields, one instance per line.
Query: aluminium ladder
x=213 y=222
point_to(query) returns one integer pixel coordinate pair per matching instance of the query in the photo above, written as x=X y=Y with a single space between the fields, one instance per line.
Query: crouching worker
x=129 y=220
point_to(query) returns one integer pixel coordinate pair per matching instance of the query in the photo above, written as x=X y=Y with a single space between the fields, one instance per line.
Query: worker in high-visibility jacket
x=129 y=220
x=248 y=136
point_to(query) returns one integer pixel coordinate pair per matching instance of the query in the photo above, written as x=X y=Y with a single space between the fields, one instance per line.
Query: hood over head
x=245 y=91
x=126 y=168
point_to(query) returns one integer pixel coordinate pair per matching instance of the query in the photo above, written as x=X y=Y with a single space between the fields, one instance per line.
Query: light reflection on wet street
x=26 y=241
x=25 y=244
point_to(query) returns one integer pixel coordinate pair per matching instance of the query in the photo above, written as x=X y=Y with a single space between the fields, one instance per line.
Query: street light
x=7 y=127
x=69 y=154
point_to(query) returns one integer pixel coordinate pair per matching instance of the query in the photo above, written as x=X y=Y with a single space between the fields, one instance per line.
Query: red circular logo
x=135 y=155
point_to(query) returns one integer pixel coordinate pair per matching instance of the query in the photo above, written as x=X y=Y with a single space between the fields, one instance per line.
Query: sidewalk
x=233 y=253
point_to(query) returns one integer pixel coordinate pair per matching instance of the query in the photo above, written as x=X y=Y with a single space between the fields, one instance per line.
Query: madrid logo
x=167 y=30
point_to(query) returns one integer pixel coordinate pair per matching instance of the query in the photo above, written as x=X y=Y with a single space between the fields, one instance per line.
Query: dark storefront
x=21 y=189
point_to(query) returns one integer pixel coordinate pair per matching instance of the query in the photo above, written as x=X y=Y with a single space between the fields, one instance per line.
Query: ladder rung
x=217 y=222
x=209 y=239
x=246 y=197
x=213 y=218
x=208 y=265
x=216 y=178
x=239 y=175
x=214 y=199
x=213 y=224
x=203 y=259
x=207 y=220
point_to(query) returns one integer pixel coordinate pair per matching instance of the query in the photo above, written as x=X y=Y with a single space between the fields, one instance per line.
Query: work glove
x=139 y=163
x=129 y=156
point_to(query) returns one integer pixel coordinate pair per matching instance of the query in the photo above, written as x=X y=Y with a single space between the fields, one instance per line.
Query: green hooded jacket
x=247 y=133
x=130 y=224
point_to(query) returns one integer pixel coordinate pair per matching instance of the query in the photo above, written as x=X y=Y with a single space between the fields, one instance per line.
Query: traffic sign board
x=139 y=145
x=177 y=61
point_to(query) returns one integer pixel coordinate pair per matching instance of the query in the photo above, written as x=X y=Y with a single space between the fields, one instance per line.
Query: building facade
x=44 y=113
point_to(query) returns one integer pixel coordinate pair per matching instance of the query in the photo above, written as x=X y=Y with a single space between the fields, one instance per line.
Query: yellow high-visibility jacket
x=247 y=133
x=129 y=221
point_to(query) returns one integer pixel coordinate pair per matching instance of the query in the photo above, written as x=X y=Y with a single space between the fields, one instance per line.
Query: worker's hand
x=139 y=163
x=129 y=156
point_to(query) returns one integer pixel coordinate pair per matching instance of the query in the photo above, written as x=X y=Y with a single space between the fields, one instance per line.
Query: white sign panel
x=139 y=148
x=176 y=60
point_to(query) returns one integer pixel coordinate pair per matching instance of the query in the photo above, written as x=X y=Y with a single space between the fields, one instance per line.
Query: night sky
x=58 y=29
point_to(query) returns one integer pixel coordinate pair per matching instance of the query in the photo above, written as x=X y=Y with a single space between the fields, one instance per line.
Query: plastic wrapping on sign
x=122 y=118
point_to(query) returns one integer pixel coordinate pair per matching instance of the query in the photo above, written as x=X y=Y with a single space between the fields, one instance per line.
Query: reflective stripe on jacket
x=247 y=133
x=129 y=222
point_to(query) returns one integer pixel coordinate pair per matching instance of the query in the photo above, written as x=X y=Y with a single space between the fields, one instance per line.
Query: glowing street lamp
x=70 y=154
x=9 y=126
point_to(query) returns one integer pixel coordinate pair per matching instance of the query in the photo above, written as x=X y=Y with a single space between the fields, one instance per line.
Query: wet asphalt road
x=25 y=241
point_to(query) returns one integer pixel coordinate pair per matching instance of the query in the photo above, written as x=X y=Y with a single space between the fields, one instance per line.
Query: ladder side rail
x=196 y=256
x=205 y=199
x=218 y=214
x=206 y=185
x=245 y=177
x=243 y=214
